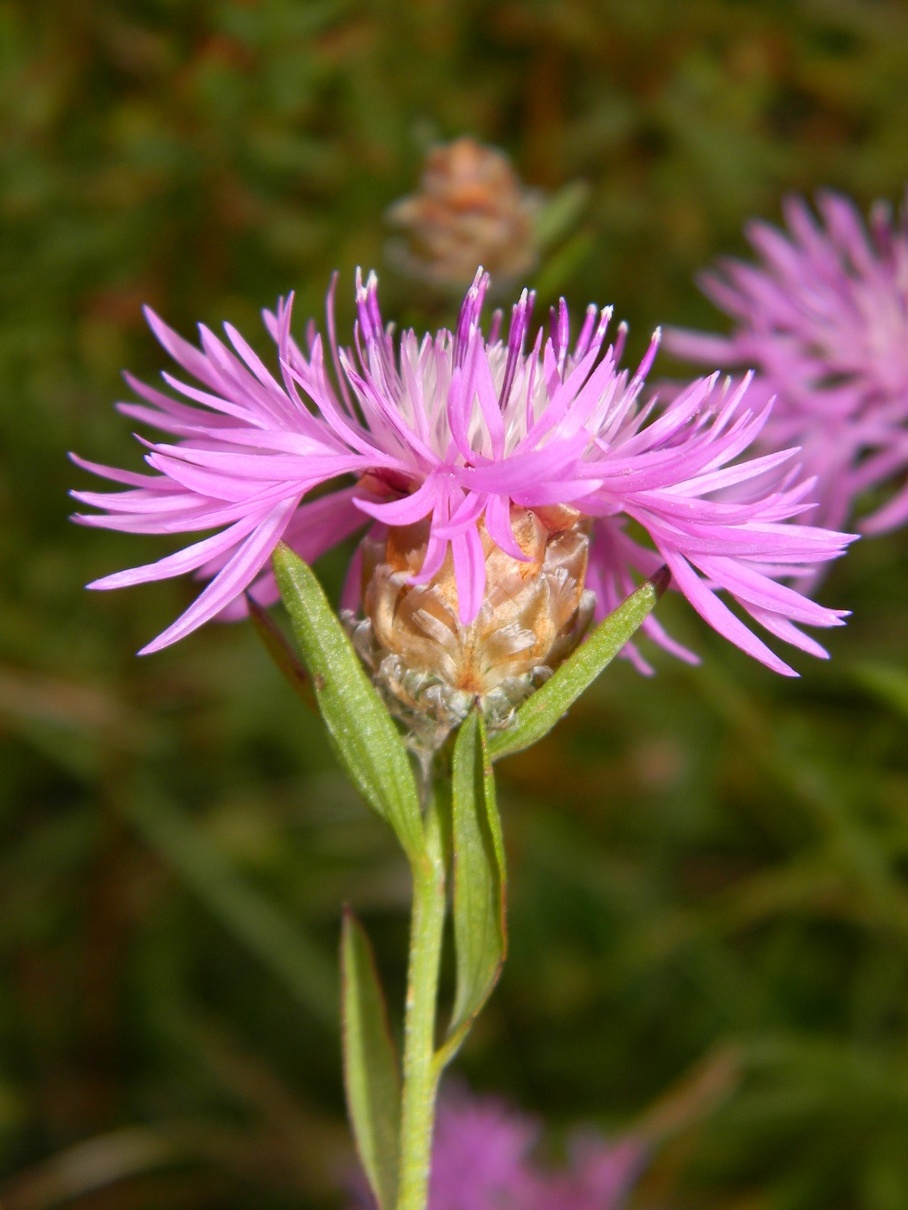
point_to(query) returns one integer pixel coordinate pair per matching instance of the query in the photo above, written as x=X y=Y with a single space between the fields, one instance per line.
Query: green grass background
x=709 y=917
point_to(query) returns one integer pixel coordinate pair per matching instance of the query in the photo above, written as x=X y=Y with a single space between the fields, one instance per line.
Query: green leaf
x=557 y=271
x=371 y=1069
x=283 y=655
x=480 y=925
x=887 y=683
x=560 y=214
x=248 y=914
x=540 y=712
x=365 y=738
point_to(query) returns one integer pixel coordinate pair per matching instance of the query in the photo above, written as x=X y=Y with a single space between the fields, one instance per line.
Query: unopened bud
x=430 y=668
x=471 y=209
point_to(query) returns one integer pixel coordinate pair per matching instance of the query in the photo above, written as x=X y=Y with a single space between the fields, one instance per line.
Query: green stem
x=419 y=1069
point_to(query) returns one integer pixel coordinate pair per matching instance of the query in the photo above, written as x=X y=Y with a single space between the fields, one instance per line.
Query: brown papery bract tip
x=661 y=580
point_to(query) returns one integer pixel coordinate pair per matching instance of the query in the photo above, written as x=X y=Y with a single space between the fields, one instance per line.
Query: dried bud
x=470 y=210
x=429 y=666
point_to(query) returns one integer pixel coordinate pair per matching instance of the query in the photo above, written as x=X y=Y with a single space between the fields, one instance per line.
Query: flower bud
x=428 y=665
x=471 y=209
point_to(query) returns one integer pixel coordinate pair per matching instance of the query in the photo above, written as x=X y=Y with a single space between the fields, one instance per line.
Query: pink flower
x=457 y=431
x=483 y=1159
x=480 y=1155
x=824 y=319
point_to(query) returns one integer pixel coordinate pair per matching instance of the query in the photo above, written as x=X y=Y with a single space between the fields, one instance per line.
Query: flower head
x=483 y=1159
x=824 y=319
x=456 y=438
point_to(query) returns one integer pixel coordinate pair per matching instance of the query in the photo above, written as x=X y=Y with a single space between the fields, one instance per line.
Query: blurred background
x=709 y=912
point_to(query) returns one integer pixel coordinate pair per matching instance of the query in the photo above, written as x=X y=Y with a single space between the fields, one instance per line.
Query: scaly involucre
x=461 y=428
x=824 y=320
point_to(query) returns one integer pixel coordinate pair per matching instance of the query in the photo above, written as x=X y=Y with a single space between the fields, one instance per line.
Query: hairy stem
x=419 y=1068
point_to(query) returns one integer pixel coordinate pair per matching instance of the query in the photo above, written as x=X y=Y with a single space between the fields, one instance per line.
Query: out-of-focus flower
x=471 y=209
x=824 y=320
x=598 y=1175
x=472 y=459
x=483 y=1158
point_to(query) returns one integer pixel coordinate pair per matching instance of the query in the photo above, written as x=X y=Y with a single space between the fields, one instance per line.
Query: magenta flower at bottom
x=484 y=1158
x=504 y=477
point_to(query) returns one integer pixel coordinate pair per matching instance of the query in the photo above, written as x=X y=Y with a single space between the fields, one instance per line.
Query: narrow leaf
x=885 y=682
x=540 y=712
x=371 y=1070
x=480 y=929
x=365 y=738
x=560 y=214
x=282 y=654
x=260 y=925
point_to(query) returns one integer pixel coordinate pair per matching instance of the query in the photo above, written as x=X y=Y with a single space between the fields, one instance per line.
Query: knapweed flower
x=824 y=320
x=470 y=209
x=501 y=482
x=484 y=1158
